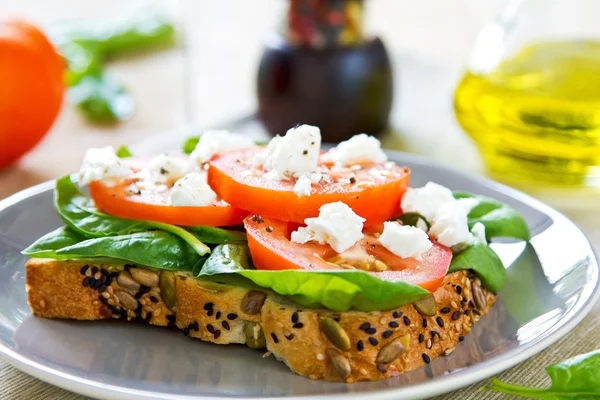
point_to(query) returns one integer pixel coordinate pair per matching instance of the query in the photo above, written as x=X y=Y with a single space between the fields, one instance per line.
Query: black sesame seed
x=471 y=304
x=426 y=358
x=103 y=279
x=295 y=317
x=232 y=316
x=84 y=269
x=461 y=338
x=210 y=312
x=371 y=331
x=459 y=289
x=171 y=318
x=387 y=334
x=101 y=288
x=138 y=295
x=440 y=321
x=225 y=325
x=208 y=306
x=434 y=333
x=289 y=336
x=86 y=282
x=397 y=314
x=153 y=299
x=196 y=326
x=476 y=312
x=381 y=368
x=424 y=323
x=91 y=281
x=217 y=334
x=462 y=304
x=455 y=315
x=445 y=310
x=393 y=324
x=108 y=281
x=365 y=326
x=421 y=338
x=406 y=320
x=467 y=311
x=148 y=316
x=218 y=315
x=210 y=328
x=94 y=270
x=360 y=345
x=144 y=289
x=186 y=331
x=298 y=325
x=102 y=300
x=275 y=339
x=373 y=341
x=114 y=274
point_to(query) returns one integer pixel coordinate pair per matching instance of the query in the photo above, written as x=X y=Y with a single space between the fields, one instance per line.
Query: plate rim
x=439 y=385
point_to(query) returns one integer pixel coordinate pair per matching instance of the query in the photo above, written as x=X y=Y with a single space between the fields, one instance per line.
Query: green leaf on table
x=154 y=249
x=101 y=99
x=485 y=262
x=123 y=152
x=336 y=290
x=46 y=246
x=190 y=144
x=577 y=378
x=499 y=219
x=79 y=213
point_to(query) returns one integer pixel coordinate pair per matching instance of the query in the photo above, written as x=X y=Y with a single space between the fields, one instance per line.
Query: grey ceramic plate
x=552 y=284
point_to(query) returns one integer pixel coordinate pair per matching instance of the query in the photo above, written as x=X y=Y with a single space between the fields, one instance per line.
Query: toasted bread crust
x=373 y=345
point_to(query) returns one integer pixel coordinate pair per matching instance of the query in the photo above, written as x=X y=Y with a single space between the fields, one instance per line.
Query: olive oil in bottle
x=536 y=117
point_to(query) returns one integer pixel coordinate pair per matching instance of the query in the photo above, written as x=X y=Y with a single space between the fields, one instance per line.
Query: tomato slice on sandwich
x=373 y=191
x=272 y=249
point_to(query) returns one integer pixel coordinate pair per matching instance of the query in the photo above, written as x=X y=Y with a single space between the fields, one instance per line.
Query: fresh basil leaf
x=190 y=144
x=576 y=378
x=153 y=249
x=79 y=213
x=413 y=219
x=123 y=152
x=485 y=262
x=46 y=246
x=499 y=219
x=335 y=290
x=212 y=235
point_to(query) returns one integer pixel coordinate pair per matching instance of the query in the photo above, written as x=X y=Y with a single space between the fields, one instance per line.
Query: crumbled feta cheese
x=467 y=203
x=214 y=142
x=478 y=232
x=450 y=227
x=167 y=168
x=302 y=186
x=359 y=148
x=336 y=225
x=101 y=164
x=404 y=241
x=293 y=155
x=316 y=177
x=426 y=200
x=192 y=190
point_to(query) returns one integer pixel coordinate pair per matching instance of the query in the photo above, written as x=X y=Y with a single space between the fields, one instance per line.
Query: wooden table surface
x=209 y=78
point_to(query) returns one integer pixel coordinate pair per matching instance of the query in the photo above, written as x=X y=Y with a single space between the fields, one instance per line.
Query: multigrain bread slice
x=316 y=343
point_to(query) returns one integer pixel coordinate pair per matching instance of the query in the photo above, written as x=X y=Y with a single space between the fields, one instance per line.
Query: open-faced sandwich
x=328 y=260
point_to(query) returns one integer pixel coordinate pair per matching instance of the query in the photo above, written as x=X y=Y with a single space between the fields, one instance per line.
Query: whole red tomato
x=31 y=87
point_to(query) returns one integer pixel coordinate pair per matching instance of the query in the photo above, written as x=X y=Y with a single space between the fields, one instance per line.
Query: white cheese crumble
x=359 y=148
x=404 y=241
x=336 y=225
x=192 y=190
x=293 y=155
x=302 y=186
x=167 y=168
x=426 y=200
x=102 y=164
x=478 y=232
x=214 y=142
x=449 y=225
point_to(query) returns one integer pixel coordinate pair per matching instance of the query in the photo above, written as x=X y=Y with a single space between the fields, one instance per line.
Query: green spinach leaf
x=123 y=152
x=190 y=144
x=485 y=262
x=576 y=378
x=212 y=235
x=335 y=290
x=413 y=219
x=499 y=219
x=46 y=246
x=79 y=213
x=154 y=249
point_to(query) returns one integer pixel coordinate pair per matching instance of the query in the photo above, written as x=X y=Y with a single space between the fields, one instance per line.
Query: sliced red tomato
x=373 y=191
x=271 y=248
x=119 y=200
